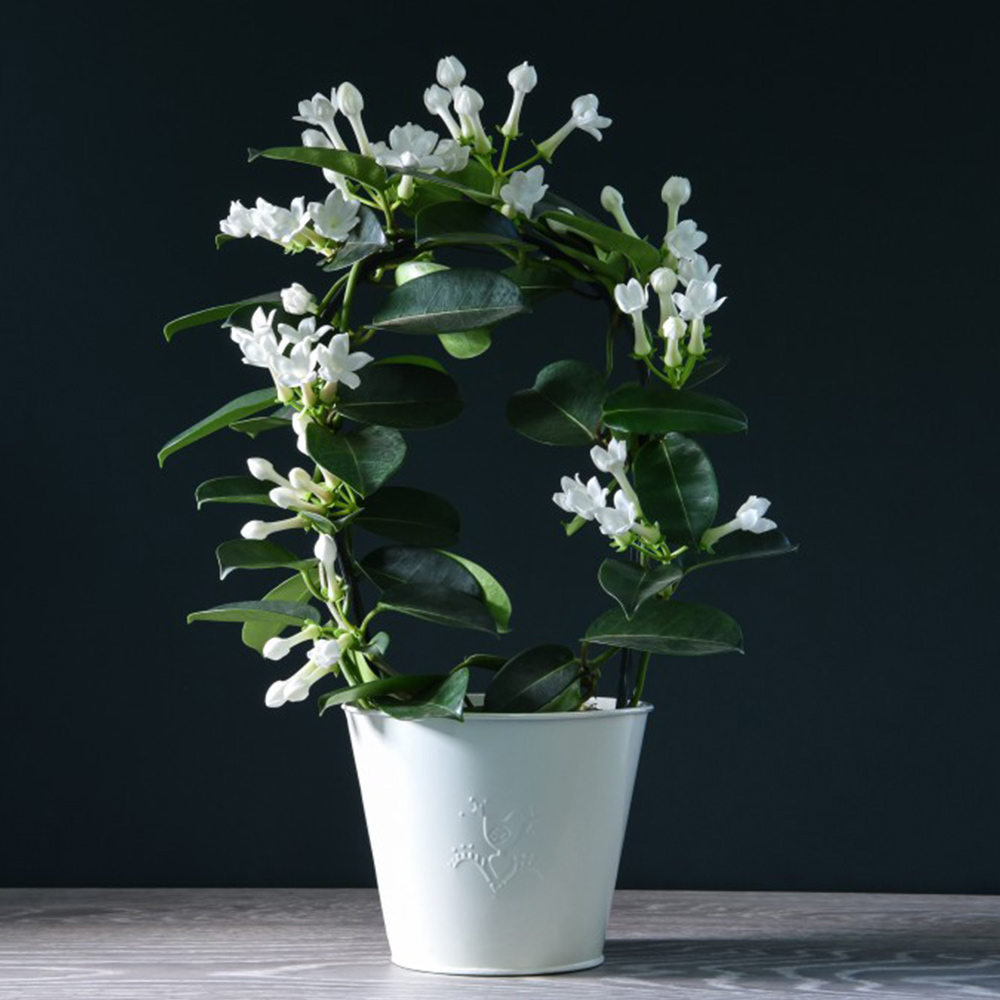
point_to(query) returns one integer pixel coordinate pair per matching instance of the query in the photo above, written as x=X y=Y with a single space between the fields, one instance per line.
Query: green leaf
x=670 y=627
x=568 y=700
x=450 y=301
x=402 y=395
x=705 y=370
x=412 y=516
x=421 y=360
x=395 y=564
x=236 y=409
x=538 y=281
x=215 y=313
x=364 y=459
x=437 y=604
x=461 y=184
x=563 y=406
x=233 y=489
x=402 y=684
x=676 y=486
x=493 y=593
x=746 y=545
x=255 y=634
x=269 y=612
x=443 y=700
x=645 y=257
x=248 y=553
x=531 y=680
x=463 y=222
x=252 y=426
x=357 y=167
x=366 y=239
x=631 y=585
x=653 y=409
x=487 y=661
x=466 y=345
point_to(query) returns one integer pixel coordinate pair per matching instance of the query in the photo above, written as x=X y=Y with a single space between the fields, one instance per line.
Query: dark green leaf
x=233 y=489
x=746 y=545
x=568 y=700
x=463 y=222
x=236 y=409
x=357 y=167
x=645 y=257
x=402 y=395
x=403 y=684
x=443 y=700
x=366 y=238
x=466 y=345
x=395 y=564
x=216 y=313
x=364 y=459
x=538 y=281
x=670 y=627
x=247 y=553
x=563 y=406
x=487 y=661
x=705 y=370
x=653 y=409
x=451 y=301
x=492 y=592
x=676 y=486
x=437 y=604
x=270 y=612
x=531 y=680
x=461 y=184
x=631 y=585
x=255 y=634
x=252 y=426
x=422 y=360
x=412 y=516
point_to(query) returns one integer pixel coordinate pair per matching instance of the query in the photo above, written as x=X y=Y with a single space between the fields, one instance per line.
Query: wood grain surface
x=271 y=944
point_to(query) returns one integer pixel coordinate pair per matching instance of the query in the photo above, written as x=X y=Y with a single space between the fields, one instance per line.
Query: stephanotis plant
x=390 y=216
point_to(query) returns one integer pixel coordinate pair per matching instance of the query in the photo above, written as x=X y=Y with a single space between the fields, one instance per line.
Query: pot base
x=589 y=963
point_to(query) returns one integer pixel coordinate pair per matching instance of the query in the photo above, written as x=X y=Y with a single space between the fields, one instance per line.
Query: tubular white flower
x=611 y=459
x=453 y=156
x=749 y=517
x=632 y=298
x=450 y=73
x=325 y=551
x=676 y=192
x=326 y=653
x=335 y=217
x=523 y=80
x=696 y=269
x=262 y=469
x=579 y=499
x=277 y=648
x=617 y=521
x=240 y=222
x=337 y=364
x=304 y=333
x=613 y=203
x=664 y=281
x=351 y=105
x=258 y=530
x=292 y=499
x=468 y=104
x=298 y=369
x=437 y=100
x=260 y=352
x=279 y=224
x=275 y=695
x=322 y=111
x=297 y=300
x=303 y=482
x=300 y=421
x=523 y=191
x=684 y=239
x=584 y=116
x=695 y=303
x=410 y=139
x=316 y=140
x=673 y=331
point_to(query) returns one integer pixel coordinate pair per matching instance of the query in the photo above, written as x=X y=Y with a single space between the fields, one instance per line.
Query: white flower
x=335 y=217
x=673 y=331
x=613 y=203
x=351 y=104
x=468 y=104
x=292 y=499
x=453 y=155
x=696 y=269
x=300 y=421
x=337 y=364
x=298 y=368
x=409 y=138
x=751 y=515
x=523 y=80
x=325 y=551
x=632 y=298
x=304 y=333
x=258 y=530
x=437 y=100
x=262 y=469
x=321 y=111
x=240 y=222
x=676 y=191
x=611 y=459
x=259 y=351
x=277 y=648
x=584 y=116
x=313 y=139
x=618 y=520
x=683 y=241
x=297 y=300
x=524 y=190
x=664 y=281
x=576 y=498
x=450 y=72
x=279 y=224
x=698 y=300
x=326 y=653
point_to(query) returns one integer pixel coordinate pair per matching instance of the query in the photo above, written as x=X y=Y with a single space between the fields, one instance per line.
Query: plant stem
x=345 y=309
x=623 y=670
x=640 y=679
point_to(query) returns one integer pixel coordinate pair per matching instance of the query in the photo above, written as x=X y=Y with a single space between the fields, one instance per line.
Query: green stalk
x=640 y=679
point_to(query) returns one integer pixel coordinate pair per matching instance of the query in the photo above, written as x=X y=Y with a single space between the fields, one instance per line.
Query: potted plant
x=496 y=817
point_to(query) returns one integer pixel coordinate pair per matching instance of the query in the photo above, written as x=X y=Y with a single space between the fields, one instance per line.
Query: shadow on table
x=928 y=962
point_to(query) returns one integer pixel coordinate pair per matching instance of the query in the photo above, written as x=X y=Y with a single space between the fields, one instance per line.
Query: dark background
x=843 y=165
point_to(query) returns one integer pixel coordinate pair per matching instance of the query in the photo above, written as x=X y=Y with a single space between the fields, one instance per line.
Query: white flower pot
x=497 y=840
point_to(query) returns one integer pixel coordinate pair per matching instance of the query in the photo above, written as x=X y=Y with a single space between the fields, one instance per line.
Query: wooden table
x=270 y=944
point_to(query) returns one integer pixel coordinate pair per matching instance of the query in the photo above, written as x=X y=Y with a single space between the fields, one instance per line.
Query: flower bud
x=297 y=688
x=350 y=100
x=450 y=72
x=676 y=191
x=436 y=99
x=611 y=199
x=275 y=696
x=282 y=496
x=468 y=101
x=297 y=300
x=663 y=280
x=523 y=78
x=301 y=480
x=276 y=648
x=255 y=530
x=262 y=469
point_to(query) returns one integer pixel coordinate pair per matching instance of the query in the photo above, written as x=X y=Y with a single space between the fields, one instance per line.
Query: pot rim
x=603 y=708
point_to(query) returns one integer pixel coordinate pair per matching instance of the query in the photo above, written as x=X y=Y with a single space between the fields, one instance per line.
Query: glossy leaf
x=705 y=370
x=278 y=419
x=353 y=165
x=450 y=301
x=670 y=627
x=676 y=486
x=746 y=545
x=531 y=680
x=248 y=553
x=233 y=489
x=215 y=313
x=366 y=238
x=442 y=700
x=271 y=612
x=492 y=592
x=402 y=395
x=236 y=409
x=402 y=684
x=437 y=604
x=568 y=700
x=255 y=634
x=654 y=409
x=563 y=407
x=485 y=661
x=646 y=258
x=465 y=223
x=461 y=184
x=364 y=458
x=408 y=515
x=466 y=345
x=395 y=564
x=631 y=585
x=538 y=281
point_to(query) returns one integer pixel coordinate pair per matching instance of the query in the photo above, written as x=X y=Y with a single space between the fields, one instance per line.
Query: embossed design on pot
x=497 y=856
